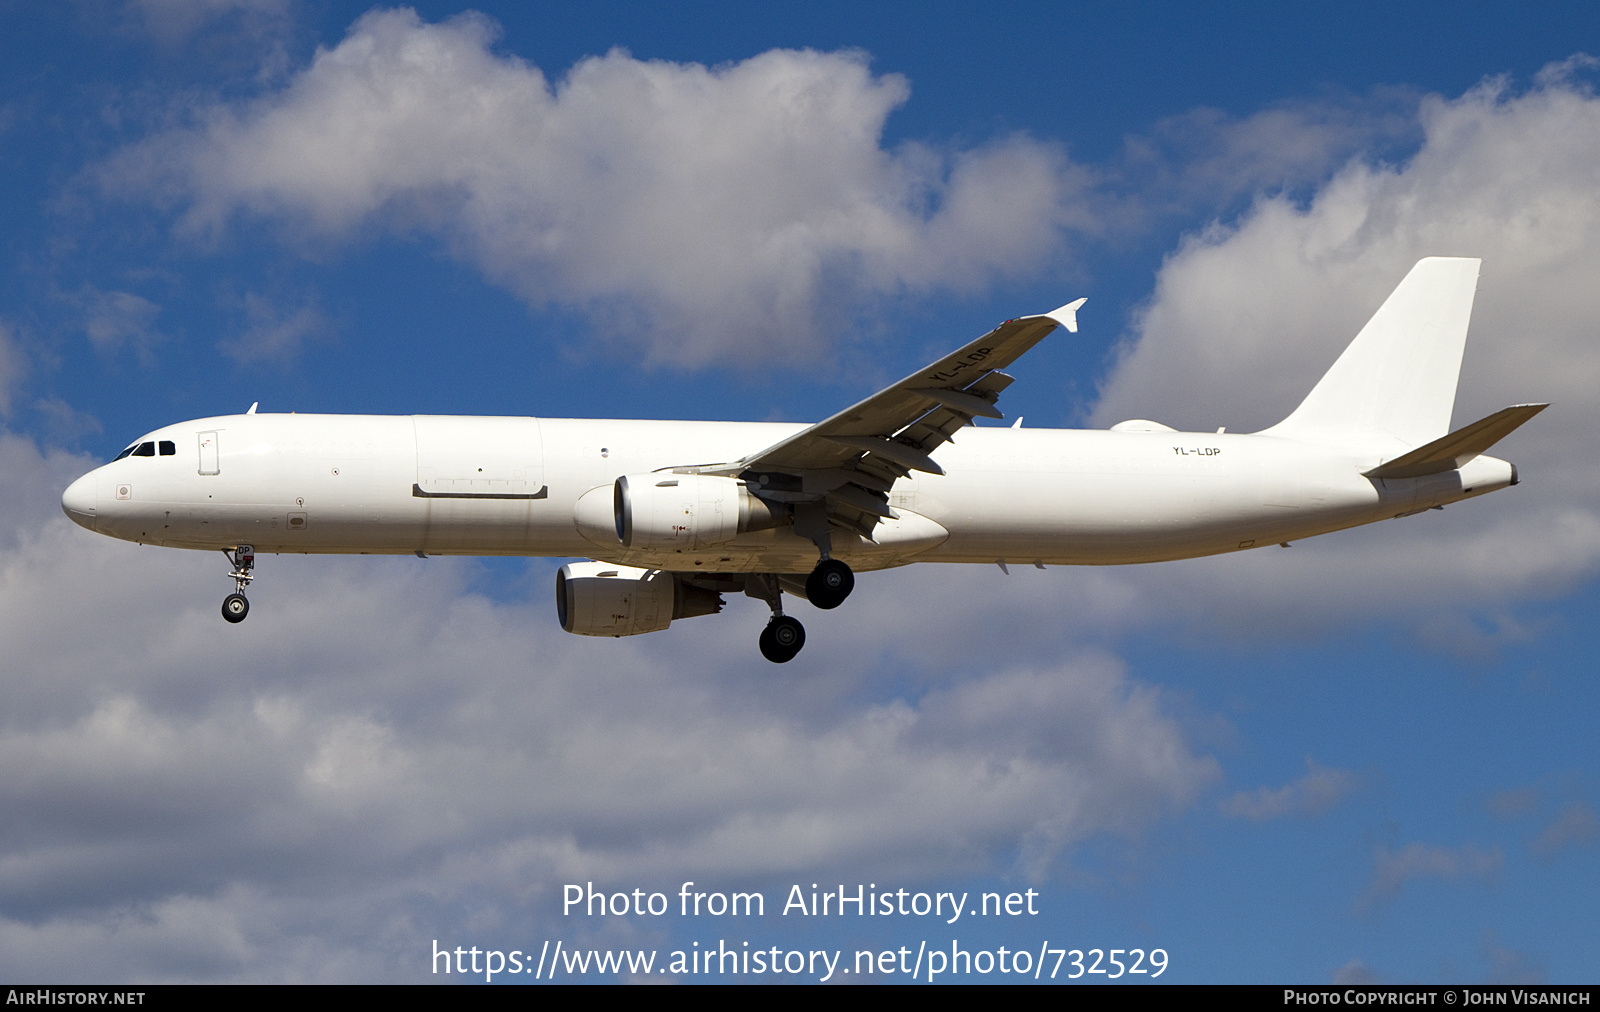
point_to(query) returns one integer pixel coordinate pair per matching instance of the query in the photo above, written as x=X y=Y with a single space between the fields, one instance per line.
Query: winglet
x=1067 y=315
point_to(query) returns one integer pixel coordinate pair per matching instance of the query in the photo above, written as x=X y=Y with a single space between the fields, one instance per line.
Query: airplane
x=674 y=514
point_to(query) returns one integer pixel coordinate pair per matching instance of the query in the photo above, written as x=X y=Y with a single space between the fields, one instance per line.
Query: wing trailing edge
x=847 y=464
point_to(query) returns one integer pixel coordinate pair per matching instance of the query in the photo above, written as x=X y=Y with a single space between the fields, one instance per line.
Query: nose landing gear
x=243 y=558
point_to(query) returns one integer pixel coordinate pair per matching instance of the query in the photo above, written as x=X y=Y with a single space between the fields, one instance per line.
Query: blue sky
x=1364 y=758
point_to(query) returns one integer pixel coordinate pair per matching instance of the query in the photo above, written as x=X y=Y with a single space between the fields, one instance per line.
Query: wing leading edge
x=839 y=471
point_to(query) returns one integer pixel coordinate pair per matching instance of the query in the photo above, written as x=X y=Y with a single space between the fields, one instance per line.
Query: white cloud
x=117 y=319
x=1354 y=972
x=12 y=367
x=1246 y=316
x=1393 y=869
x=1205 y=159
x=1313 y=794
x=176 y=23
x=63 y=422
x=1514 y=804
x=1509 y=966
x=272 y=334
x=1576 y=826
x=736 y=213
x=377 y=747
x=377 y=754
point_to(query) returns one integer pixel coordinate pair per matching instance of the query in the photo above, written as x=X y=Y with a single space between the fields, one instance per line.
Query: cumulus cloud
x=65 y=423
x=378 y=747
x=733 y=213
x=174 y=21
x=378 y=755
x=1509 y=966
x=1354 y=972
x=243 y=34
x=272 y=333
x=1576 y=826
x=12 y=367
x=1393 y=869
x=1313 y=794
x=1515 y=804
x=1246 y=316
x=114 y=320
x=1204 y=159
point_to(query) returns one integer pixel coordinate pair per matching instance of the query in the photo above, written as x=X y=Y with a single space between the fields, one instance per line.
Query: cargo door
x=481 y=479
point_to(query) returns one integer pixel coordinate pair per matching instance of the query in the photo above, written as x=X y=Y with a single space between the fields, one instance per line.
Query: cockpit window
x=124 y=453
x=168 y=448
x=145 y=450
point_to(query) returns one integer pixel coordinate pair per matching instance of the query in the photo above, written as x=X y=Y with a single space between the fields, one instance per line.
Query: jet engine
x=599 y=599
x=686 y=512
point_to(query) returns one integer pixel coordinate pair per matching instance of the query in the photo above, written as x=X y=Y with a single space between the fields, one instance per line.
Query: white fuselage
x=358 y=484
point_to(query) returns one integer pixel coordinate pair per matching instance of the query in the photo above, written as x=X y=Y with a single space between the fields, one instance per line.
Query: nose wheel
x=243 y=559
x=782 y=639
x=235 y=607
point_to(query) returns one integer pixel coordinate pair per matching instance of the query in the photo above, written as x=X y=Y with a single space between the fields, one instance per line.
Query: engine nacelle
x=685 y=512
x=599 y=599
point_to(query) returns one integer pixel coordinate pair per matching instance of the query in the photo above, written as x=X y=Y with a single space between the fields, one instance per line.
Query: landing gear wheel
x=782 y=639
x=235 y=607
x=829 y=584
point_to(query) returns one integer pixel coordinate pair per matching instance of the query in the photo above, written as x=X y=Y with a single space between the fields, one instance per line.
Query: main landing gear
x=782 y=639
x=827 y=587
x=243 y=558
x=829 y=584
x=784 y=636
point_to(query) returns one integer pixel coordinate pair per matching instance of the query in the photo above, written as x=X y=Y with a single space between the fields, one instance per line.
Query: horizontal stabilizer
x=1450 y=452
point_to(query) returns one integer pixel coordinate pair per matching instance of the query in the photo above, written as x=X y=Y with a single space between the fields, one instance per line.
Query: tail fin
x=1397 y=379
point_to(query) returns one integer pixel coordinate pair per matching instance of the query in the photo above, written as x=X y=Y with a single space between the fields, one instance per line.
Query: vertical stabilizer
x=1397 y=379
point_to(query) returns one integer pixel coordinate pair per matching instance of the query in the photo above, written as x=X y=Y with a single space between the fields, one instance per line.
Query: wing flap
x=961 y=401
x=905 y=455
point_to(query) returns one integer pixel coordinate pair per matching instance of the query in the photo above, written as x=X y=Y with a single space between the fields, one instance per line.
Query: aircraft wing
x=850 y=461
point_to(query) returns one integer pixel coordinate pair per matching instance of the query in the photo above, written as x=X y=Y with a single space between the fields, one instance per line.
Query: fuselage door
x=210 y=459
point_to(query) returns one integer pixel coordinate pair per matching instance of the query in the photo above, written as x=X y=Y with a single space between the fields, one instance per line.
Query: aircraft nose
x=77 y=502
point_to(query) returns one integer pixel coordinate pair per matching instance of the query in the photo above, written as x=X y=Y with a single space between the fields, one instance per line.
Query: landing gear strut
x=784 y=636
x=831 y=582
x=243 y=558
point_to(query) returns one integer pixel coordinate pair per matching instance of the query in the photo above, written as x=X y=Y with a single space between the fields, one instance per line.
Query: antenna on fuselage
x=253 y=406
